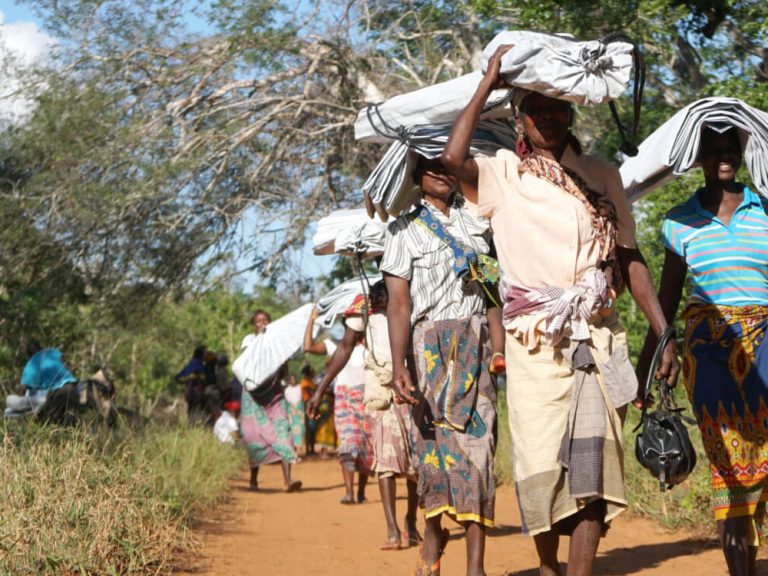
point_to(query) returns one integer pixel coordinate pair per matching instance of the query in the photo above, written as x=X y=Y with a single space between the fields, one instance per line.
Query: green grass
x=75 y=502
x=686 y=505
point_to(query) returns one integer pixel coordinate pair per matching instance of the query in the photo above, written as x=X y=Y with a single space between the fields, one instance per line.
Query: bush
x=75 y=502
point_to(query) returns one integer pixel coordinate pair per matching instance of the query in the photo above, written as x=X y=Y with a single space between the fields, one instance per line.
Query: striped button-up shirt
x=728 y=265
x=414 y=253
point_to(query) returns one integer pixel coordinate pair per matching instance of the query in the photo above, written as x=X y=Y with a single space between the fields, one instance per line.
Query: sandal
x=294 y=486
x=412 y=537
x=391 y=545
x=362 y=500
x=347 y=500
x=421 y=568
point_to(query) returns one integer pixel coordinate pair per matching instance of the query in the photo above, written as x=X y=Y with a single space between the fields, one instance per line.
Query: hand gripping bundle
x=420 y=121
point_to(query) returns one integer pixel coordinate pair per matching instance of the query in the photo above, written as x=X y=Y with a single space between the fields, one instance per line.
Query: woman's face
x=545 y=121
x=260 y=322
x=720 y=155
x=434 y=181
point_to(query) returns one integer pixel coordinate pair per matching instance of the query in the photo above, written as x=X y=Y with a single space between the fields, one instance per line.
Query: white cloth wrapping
x=674 y=147
x=267 y=352
x=333 y=304
x=437 y=104
x=390 y=190
x=349 y=232
x=561 y=67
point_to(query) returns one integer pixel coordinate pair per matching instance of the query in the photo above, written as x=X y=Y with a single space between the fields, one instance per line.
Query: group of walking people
x=423 y=402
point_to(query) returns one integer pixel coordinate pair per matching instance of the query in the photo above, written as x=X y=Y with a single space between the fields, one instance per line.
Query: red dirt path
x=310 y=533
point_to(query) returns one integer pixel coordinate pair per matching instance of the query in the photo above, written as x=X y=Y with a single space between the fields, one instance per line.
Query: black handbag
x=663 y=445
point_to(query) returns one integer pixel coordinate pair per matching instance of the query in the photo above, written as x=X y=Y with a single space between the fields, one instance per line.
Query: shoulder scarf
x=601 y=210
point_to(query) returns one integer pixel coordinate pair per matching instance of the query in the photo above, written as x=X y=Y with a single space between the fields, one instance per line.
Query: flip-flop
x=412 y=537
x=347 y=500
x=294 y=486
x=391 y=545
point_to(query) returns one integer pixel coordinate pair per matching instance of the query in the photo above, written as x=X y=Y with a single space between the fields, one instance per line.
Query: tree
x=149 y=143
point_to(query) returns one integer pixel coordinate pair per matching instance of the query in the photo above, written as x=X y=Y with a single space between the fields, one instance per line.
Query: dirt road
x=310 y=533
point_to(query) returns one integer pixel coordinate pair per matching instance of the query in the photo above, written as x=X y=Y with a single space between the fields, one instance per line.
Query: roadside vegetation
x=85 y=503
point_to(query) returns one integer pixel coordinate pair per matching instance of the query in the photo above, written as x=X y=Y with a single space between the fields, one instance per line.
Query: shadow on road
x=633 y=560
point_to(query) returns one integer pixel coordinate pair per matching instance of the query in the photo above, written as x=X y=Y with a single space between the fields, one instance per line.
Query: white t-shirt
x=224 y=426
x=353 y=374
x=292 y=395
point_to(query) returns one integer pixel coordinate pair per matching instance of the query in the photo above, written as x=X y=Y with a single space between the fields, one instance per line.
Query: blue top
x=727 y=265
x=46 y=371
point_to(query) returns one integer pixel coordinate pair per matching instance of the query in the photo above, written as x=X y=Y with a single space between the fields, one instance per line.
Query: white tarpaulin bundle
x=267 y=352
x=561 y=67
x=390 y=191
x=437 y=104
x=333 y=304
x=674 y=147
x=349 y=232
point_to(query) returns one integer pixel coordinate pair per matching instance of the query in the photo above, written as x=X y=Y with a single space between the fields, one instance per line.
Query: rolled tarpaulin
x=562 y=67
x=335 y=302
x=438 y=104
x=673 y=148
x=267 y=352
x=390 y=190
x=350 y=233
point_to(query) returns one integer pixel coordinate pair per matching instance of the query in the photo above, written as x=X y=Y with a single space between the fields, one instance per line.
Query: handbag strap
x=461 y=257
x=665 y=399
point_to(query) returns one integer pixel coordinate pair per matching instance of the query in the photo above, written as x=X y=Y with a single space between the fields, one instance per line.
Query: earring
x=522 y=146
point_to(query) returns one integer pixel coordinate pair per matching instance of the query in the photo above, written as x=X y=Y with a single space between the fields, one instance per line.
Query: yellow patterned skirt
x=725 y=367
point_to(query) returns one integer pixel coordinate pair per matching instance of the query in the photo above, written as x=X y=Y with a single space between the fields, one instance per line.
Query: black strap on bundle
x=629 y=144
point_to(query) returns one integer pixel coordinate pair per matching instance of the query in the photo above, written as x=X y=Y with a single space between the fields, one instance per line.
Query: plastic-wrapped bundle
x=350 y=233
x=437 y=104
x=390 y=191
x=674 y=147
x=561 y=67
x=269 y=351
x=333 y=304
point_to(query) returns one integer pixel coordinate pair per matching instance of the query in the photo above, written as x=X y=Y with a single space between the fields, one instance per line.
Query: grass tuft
x=75 y=502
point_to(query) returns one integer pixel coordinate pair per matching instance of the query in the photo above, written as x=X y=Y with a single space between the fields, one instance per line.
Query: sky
x=20 y=32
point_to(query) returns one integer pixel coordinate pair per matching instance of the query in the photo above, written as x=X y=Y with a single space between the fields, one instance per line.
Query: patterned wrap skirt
x=296 y=417
x=353 y=429
x=265 y=428
x=725 y=368
x=454 y=432
x=390 y=438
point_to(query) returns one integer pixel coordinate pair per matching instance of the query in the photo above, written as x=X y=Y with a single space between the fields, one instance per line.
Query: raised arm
x=338 y=361
x=399 y=321
x=673 y=276
x=455 y=156
x=311 y=347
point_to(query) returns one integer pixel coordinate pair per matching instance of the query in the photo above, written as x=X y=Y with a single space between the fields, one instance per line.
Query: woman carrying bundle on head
x=264 y=424
x=720 y=236
x=437 y=302
x=566 y=244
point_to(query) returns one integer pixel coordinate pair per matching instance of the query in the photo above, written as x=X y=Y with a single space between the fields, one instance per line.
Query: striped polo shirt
x=728 y=265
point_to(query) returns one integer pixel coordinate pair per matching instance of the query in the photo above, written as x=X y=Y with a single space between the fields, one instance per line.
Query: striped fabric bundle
x=350 y=233
x=560 y=66
x=390 y=190
x=674 y=147
x=437 y=104
x=333 y=304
